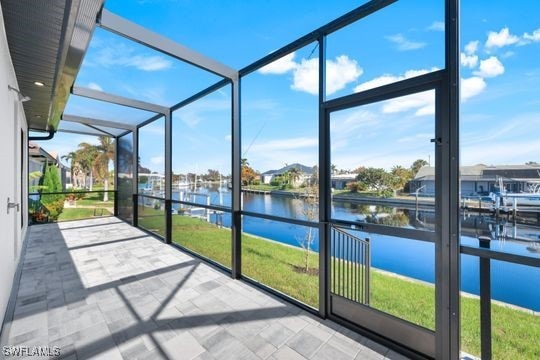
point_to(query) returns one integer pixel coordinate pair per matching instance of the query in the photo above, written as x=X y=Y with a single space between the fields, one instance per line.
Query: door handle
x=11 y=205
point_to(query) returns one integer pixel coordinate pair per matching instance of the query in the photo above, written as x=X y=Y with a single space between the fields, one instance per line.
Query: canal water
x=514 y=284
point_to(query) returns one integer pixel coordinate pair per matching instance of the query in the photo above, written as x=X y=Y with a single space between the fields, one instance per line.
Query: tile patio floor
x=102 y=289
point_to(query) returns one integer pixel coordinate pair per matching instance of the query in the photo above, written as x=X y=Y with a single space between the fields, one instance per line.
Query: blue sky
x=500 y=110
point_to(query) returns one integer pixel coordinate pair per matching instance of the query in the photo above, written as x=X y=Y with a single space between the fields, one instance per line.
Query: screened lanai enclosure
x=390 y=266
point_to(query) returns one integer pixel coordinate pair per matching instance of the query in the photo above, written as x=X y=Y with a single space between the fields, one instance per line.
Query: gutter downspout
x=48 y=137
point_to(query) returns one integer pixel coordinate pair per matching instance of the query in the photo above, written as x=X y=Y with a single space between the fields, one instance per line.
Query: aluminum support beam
x=135 y=182
x=168 y=177
x=119 y=100
x=448 y=248
x=79 y=132
x=236 y=248
x=137 y=33
x=325 y=199
x=201 y=94
x=106 y=133
x=347 y=19
x=116 y=176
x=149 y=121
x=96 y=122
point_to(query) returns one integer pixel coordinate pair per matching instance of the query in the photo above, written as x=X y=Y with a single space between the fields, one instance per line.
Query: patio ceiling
x=48 y=41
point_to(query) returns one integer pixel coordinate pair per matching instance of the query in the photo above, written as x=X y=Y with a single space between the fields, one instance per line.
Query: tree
x=294 y=175
x=314 y=178
x=401 y=177
x=51 y=183
x=94 y=159
x=248 y=174
x=213 y=175
x=86 y=154
x=417 y=165
x=310 y=211
x=375 y=178
x=105 y=153
x=74 y=167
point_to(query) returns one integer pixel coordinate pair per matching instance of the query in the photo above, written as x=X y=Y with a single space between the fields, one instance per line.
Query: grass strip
x=515 y=333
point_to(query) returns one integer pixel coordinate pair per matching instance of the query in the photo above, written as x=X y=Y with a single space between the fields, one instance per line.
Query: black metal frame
x=417 y=338
x=439 y=80
x=446 y=235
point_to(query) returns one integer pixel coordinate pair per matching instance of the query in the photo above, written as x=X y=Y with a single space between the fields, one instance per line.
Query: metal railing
x=485 y=255
x=351 y=265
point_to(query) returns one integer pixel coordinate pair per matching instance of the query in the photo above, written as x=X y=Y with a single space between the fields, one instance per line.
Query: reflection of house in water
x=37 y=157
x=482 y=179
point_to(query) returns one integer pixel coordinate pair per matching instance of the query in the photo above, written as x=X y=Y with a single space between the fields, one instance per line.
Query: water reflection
x=524 y=228
x=516 y=284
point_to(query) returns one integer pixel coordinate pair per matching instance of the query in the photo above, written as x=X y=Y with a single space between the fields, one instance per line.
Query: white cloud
x=471 y=87
x=469 y=60
x=204 y=111
x=422 y=103
x=306 y=76
x=123 y=55
x=501 y=38
x=534 y=37
x=437 y=26
x=508 y=54
x=490 y=67
x=95 y=86
x=489 y=144
x=268 y=154
x=228 y=138
x=339 y=72
x=415 y=138
x=285 y=144
x=280 y=66
x=388 y=79
x=157 y=160
x=360 y=120
x=154 y=94
x=403 y=44
x=150 y=63
x=471 y=47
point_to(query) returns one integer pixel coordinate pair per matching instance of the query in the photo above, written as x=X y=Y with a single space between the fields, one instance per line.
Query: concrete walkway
x=102 y=289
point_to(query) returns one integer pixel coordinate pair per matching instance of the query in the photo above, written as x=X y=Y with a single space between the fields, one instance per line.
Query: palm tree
x=105 y=153
x=74 y=167
x=294 y=175
x=86 y=154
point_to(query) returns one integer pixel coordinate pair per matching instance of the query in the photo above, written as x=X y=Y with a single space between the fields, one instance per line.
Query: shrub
x=387 y=193
x=352 y=187
x=51 y=183
x=356 y=186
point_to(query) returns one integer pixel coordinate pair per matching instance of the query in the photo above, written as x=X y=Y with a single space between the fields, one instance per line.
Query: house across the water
x=482 y=179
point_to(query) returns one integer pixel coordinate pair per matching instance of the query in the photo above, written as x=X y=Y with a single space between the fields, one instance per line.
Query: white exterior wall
x=12 y=122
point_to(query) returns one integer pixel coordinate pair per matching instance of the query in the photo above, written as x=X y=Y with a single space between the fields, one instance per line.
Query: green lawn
x=515 y=333
x=95 y=199
x=82 y=213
